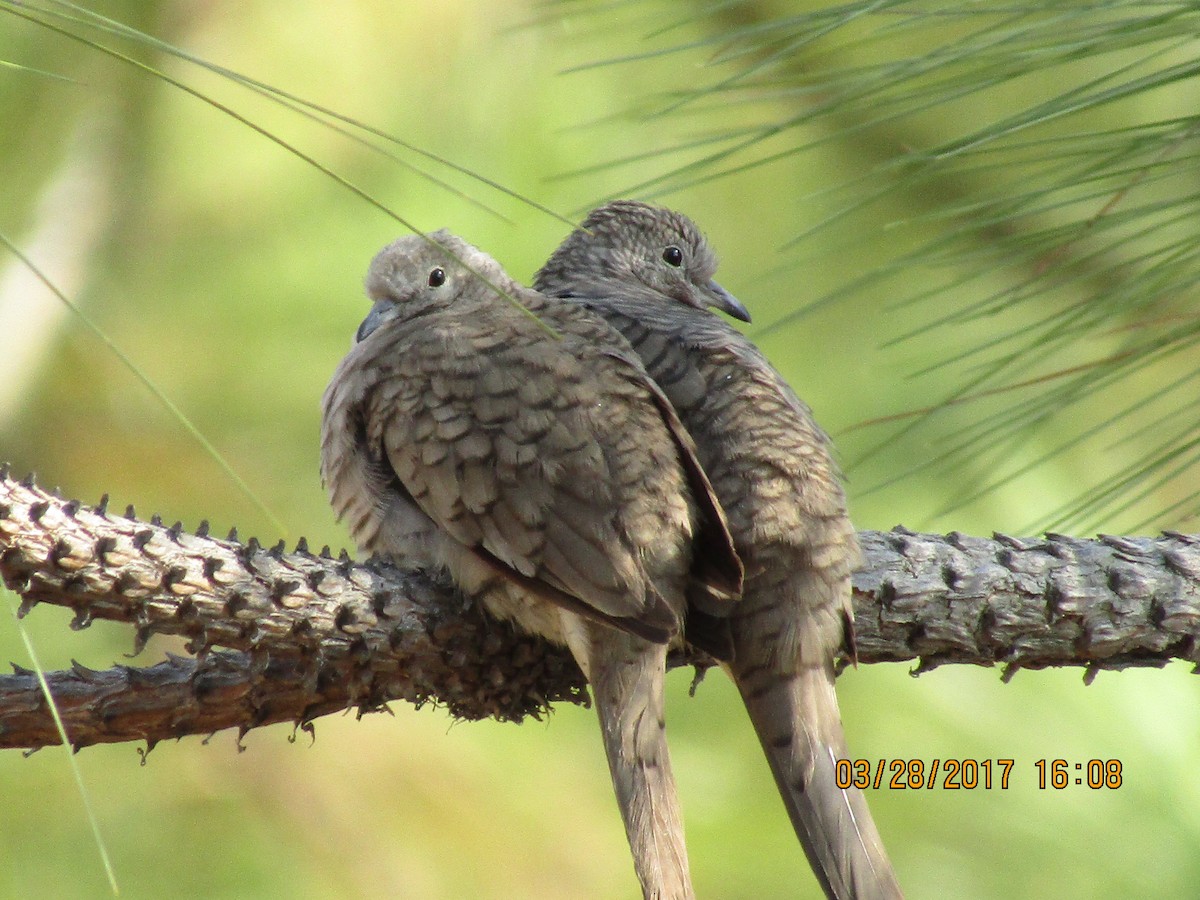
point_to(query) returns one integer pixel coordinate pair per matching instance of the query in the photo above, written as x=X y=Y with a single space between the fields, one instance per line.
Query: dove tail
x=797 y=721
x=626 y=677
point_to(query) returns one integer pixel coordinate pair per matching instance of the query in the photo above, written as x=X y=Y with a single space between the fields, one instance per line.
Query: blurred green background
x=918 y=203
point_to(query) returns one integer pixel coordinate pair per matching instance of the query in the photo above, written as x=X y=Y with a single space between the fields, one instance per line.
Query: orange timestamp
x=917 y=774
x=972 y=774
x=1094 y=773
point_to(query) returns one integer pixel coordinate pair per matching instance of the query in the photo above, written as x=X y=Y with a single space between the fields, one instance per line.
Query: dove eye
x=437 y=277
x=673 y=256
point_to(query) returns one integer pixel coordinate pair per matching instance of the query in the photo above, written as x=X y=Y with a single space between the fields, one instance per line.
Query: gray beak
x=376 y=317
x=721 y=299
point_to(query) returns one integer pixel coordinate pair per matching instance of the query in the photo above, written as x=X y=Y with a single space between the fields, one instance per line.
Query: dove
x=649 y=272
x=516 y=442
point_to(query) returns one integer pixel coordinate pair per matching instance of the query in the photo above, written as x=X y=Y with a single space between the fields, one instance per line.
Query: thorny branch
x=305 y=634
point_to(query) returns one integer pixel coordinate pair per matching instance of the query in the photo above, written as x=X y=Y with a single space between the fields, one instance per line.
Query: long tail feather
x=798 y=724
x=627 y=687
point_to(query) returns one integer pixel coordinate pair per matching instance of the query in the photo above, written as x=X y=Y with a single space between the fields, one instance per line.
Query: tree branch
x=178 y=697
x=312 y=635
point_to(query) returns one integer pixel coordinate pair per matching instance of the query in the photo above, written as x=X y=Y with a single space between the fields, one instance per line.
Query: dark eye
x=437 y=277
x=673 y=256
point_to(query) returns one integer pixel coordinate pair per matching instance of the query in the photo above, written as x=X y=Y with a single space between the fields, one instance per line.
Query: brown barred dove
x=649 y=272
x=532 y=457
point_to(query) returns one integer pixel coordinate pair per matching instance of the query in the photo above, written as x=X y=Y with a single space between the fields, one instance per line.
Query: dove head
x=417 y=273
x=631 y=243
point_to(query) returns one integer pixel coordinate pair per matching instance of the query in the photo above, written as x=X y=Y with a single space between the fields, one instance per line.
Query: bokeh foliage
x=976 y=222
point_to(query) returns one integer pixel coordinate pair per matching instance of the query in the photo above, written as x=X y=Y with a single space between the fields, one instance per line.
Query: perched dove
x=527 y=452
x=649 y=272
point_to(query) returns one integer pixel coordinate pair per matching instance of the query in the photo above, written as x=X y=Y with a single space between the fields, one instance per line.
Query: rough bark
x=306 y=635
